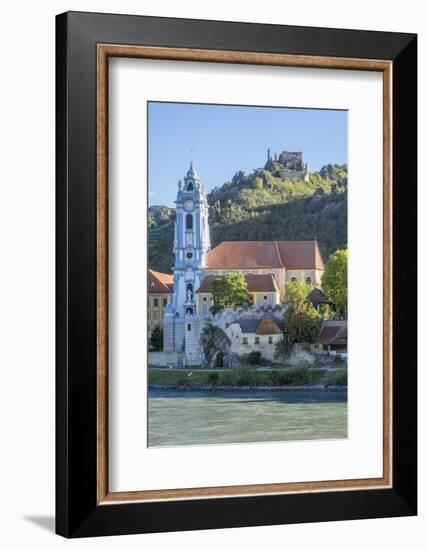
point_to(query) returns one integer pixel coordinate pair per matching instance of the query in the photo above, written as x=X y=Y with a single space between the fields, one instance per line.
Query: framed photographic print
x=236 y=274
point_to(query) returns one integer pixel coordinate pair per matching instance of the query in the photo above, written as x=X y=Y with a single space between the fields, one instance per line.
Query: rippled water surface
x=201 y=418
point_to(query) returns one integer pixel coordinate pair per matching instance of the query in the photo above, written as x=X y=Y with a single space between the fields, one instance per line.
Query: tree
x=335 y=281
x=297 y=291
x=156 y=339
x=229 y=291
x=282 y=349
x=302 y=322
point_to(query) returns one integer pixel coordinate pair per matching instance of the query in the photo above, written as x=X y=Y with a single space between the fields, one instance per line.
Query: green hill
x=261 y=206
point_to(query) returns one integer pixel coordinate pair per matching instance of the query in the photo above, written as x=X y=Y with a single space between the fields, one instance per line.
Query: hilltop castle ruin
x=288 y=165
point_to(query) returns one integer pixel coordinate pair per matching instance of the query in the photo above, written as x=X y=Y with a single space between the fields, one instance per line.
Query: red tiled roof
x=159 y=282
x=265 y=254
x=268 y=326
x=333 y=333
x=261 y=283
x=317 y=297
x=300 y=254
x=244 y=254
x=256 y=283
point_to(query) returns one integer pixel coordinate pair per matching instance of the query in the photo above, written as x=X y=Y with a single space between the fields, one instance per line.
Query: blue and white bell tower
x=191 y=244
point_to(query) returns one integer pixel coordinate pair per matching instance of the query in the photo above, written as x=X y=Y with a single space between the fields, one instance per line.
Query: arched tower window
x=189 y=221
x=189 y=292
x=190 y=186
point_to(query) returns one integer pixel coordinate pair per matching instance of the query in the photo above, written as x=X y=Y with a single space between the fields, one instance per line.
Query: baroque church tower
x=191 y=244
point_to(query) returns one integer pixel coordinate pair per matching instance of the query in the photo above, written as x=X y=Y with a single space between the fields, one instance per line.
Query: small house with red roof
x=159 y=288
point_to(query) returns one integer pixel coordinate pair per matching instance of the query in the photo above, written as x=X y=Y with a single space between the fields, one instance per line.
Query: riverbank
x=250 y=379
x=218 y=388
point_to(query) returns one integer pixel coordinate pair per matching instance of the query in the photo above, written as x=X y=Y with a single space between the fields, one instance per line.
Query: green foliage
x=229 y=291
x=327 y=311
x=300 y=219
x=297 y=376
x=225 y=378
x=213 y=377
x=276 y=377
x=339 y=378
x=297 y=291
x=156 y=339
x=219 y=360
x=253 y=358
x=161 y=257
x=282 y=349
x=335 y=280
x=302 y=322
x=159 y=215
x=243 y=376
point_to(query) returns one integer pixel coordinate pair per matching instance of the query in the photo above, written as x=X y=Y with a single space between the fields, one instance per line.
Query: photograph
x=199 y=198
x=247 y=294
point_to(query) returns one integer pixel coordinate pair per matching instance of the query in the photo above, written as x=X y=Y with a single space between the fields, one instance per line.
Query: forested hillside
x=260 y=206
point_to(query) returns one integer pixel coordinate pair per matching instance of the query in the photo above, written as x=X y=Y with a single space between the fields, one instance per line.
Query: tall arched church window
x=308 y=281
x=189 y=221
x=293 y=280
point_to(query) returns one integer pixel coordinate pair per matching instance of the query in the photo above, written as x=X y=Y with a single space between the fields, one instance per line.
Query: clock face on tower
x=188 y=205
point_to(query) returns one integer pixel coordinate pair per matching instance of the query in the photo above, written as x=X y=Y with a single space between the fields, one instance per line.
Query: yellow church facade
x=267 y=265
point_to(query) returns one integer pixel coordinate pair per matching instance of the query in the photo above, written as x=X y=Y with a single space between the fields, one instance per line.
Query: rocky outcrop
x=213 y=340
x=300 y=355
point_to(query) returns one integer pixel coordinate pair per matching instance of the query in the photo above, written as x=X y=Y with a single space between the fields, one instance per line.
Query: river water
x=202 y=418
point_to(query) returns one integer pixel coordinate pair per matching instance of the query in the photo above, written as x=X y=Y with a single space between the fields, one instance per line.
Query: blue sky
x=225 y=139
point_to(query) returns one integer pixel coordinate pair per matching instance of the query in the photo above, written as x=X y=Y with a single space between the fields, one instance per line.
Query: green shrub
x=156 y=339
x=317 y=375
x=280 y=378
x=339 y=378
x=213 y=377
x=253 y=358
x=243 y=376
x=225 y=378
x=299 y=376
x=274 y=377
x=282 y=349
